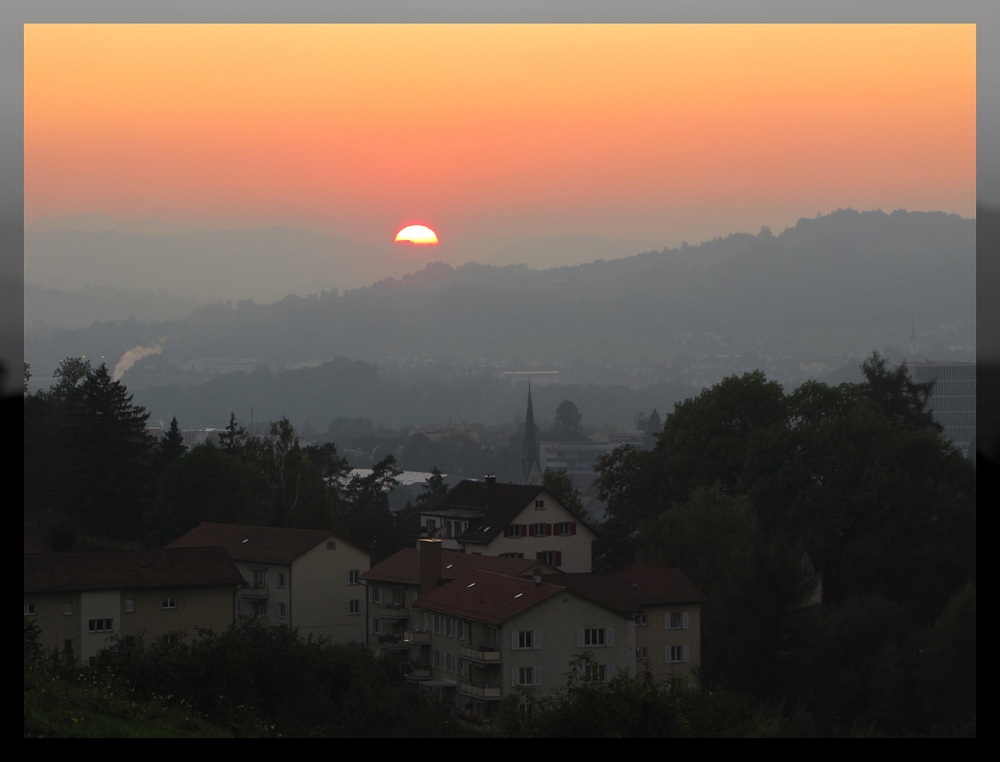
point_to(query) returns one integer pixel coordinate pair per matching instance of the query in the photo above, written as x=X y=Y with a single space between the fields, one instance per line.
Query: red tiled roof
x=248 y=543
x=483 y=596
x=131 y=569
x=631 y=590
x=404 y=566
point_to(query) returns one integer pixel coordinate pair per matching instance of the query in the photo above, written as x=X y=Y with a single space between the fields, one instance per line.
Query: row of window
x=450 y=663
x=167 y=603
x=280 y=579
x=671 y=654
x=451 y=528
x=671 y=620
x=258 y=609
x=560 y=529
x=397 y=596
x=550 y=557
x=523 y=640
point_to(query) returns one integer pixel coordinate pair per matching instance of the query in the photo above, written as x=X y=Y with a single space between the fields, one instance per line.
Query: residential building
x=308 y=579
x=82 y=601
x=489 y=634
x=395 y=585
x=515 y=520
x=665 y=607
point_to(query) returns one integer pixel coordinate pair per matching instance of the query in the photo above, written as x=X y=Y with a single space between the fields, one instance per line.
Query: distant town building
x=953 y=401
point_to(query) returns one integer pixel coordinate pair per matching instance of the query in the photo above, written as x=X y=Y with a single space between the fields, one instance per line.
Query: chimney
x=430 y=565
x=491 y=480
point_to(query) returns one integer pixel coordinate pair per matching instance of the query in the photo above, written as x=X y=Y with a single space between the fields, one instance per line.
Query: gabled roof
x=403 y=567
x=276 y=545
x=129 y=569
x=498 y=504
x=631 y=590
x=483 y=596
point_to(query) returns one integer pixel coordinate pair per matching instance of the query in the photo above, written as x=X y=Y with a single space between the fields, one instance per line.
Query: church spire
x=531 y=471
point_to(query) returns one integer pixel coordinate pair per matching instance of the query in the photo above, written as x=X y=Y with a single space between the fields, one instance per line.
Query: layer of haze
x=510 y=140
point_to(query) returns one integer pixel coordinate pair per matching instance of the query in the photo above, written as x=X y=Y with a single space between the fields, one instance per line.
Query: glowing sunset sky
x=656 y=132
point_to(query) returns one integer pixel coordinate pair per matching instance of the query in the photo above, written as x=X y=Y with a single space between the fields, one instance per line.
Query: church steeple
x=531 y=470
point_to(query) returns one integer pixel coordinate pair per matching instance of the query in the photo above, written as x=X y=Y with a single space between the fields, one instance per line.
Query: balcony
x=484 y=655
x=488 y=692
x=417 y=672
x=393 y=612
x=417 y=637
x=392 y=643
x=254 y=592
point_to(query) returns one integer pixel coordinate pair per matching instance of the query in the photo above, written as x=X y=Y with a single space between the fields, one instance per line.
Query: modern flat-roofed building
x=953 y=400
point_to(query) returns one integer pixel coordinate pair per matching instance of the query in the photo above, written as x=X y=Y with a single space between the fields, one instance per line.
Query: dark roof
x=248 y=543
x=483 y=596
x=404 y=566
x=34 y=539
x=129 y=569
x=633 y=589
x=498 y=504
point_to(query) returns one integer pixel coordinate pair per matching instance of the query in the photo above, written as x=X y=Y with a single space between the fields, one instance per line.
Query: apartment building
x=665 y=607
x=394 y=585
x=83 y=601
x=304 y=578
x=490 y=634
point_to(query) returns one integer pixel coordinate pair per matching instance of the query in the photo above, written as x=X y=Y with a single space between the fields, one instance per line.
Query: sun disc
x=419 y=234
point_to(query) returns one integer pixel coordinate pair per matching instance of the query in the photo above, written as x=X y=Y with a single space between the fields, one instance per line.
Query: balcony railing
x=417 y=637
x=254 y=592
x=393 y=612
x=488 y=691
x=389 y=642
x=419 y=673
x=481 y=655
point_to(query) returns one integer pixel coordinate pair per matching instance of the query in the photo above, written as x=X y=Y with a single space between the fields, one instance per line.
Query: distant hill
x=843 y=283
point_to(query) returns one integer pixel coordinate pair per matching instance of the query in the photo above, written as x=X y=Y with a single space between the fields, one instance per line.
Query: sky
x=487 y=133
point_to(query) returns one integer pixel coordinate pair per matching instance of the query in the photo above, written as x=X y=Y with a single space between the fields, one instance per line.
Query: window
x=540 y=530
x=566 y=528
x=375 y=626
x=259 y=578
x=595 y=637
x=642 y=652
x=29 y=609
x=550 y=557
x=169 y=603
x=512 y=555
x=431 y=526
x=281 y=579
x=449 y=662
x=599 y=672
x=281 y=610
x=525 y=639
x=461 y=667
x=354 y=606
x=676 y=621
x=437 y=659
x=539 y=504
x=526 y=675
x=449 y=627
x=514 y=530
x=676 y=654
x=642 y=619
x=375 y=594
x=398 y=598
x=460 y=629
x=68 y=609
x=130 y=606
x=100 y=625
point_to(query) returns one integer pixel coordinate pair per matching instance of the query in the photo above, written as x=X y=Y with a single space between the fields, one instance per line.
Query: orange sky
x=663 y=132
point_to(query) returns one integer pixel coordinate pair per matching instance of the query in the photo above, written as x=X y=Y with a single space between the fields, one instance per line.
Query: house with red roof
x=491 y=634
x=82 y=601
x=513 y=520
x=665 y=607
x=394 y=585
x=309 y=579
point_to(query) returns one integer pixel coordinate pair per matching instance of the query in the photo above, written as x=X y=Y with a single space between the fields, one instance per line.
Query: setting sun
x=420 y=234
